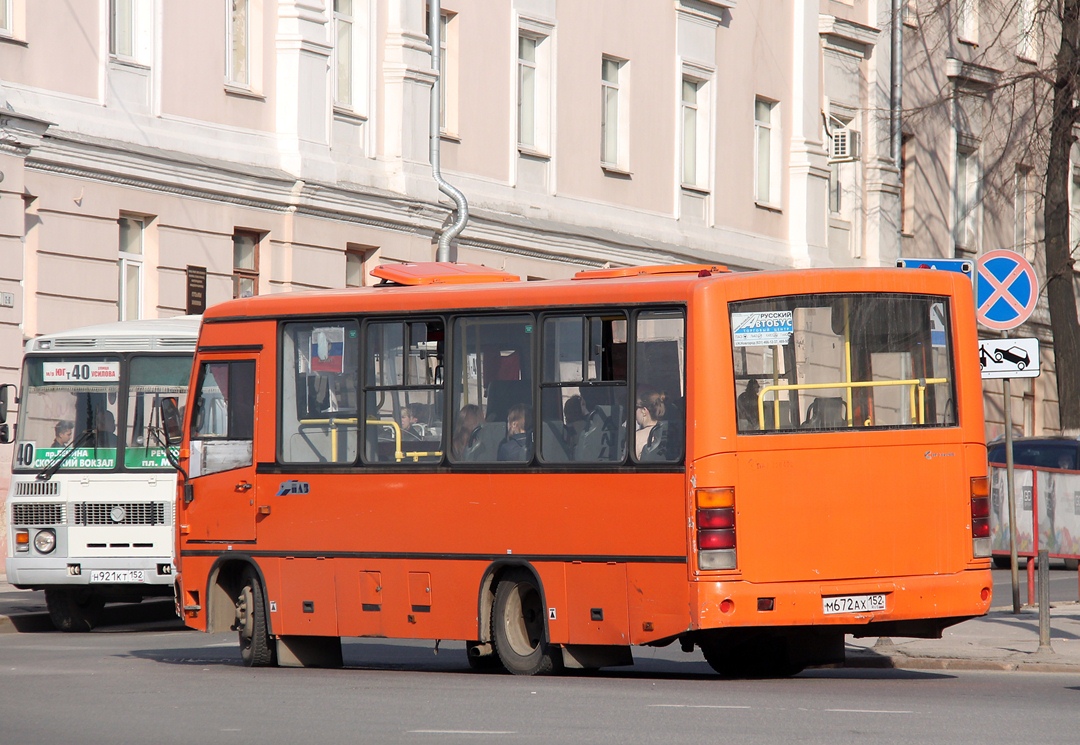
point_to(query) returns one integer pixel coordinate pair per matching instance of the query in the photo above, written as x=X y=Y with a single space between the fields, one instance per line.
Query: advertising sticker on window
x=761 y=329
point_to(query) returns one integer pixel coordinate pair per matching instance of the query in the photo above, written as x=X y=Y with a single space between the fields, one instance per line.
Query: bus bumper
x=919 y=606
x=151 y=572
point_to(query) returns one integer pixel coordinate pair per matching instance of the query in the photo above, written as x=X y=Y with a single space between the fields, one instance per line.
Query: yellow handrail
x=399 y=454
x=916 y=383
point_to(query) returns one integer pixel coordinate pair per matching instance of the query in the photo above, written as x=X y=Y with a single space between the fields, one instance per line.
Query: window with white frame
x=766 y=152
x=1074 y=205
x=343 y=53
x=130 y=295
x=122 y=28
x=614 y=148
x=534 y=91
x=967 y=20
x=1027 y=40
x=695 y=120
x=7 y=25
x=238 y=43
x=967 y=200
x=448 y=71
x=1020 y=210
x=907 y=184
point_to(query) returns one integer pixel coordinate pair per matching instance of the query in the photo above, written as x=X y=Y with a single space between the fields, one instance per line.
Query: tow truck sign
x=1009 y=358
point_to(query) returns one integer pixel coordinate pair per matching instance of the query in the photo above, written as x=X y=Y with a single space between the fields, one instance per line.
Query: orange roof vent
x=440 y=273
x=701 y=270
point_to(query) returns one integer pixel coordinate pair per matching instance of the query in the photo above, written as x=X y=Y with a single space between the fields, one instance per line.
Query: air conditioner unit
x=844 y=144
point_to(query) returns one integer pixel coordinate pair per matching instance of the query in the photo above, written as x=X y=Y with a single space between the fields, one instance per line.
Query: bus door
x=221 y=470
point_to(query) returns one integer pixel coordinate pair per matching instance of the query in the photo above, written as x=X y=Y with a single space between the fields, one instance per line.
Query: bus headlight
x=45 y=541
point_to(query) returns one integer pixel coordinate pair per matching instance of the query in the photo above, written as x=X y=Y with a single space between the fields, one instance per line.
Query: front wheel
x=74 y=608
x=256 y=647
x=519 y=626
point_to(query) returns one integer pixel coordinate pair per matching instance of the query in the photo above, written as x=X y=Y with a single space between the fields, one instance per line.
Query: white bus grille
x=37 y=514
x=36 y=488
x=120 y=513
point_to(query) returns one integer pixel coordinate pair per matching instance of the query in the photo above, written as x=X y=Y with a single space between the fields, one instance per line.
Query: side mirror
x=5 y=395
x=170 y=418
x=6 y=434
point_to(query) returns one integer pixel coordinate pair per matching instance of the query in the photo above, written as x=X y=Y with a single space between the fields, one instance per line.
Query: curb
x=1046 y=664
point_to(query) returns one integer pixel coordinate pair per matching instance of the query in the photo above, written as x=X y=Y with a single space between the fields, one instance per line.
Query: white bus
x=91 y=507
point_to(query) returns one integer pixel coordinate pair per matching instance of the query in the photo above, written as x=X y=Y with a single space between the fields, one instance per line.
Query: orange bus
x=553 y=472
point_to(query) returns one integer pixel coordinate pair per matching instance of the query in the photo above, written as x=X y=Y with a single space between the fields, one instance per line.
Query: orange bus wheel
x=255 y=645
x=518 y=626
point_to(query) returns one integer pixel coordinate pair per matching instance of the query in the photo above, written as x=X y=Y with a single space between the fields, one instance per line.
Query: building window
x=1020 y=211
x=695 y=133
x=122 y=28
x=129 y=297
x=245 y=263
x=967 y=201
x=448 y=67
x=1027 y=40
x=614 y=150
x=967 y=20
x=766 y=152
x=534 y=91
x=1074 y=204
x=343 y=53
x=907 y=184
x=237 y=46
x=6 y=24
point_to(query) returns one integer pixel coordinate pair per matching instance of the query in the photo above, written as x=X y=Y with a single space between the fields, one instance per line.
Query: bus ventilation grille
x=37 y=489
x=37 y=514
x=120 y=513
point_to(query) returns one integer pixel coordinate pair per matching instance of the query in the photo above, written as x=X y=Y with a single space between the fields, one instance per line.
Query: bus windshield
x=70 y=415
x=827 y=362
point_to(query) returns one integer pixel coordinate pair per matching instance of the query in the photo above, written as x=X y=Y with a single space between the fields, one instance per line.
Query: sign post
x=1006 y=291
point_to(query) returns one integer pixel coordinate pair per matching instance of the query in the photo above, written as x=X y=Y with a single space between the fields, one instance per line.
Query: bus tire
x=763 y=657
x=518 y=624
x=75 y=609
x=256 y=647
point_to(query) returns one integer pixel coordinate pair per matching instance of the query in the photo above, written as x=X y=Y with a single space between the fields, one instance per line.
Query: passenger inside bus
x=747 y=405
x=574 y=420
x=650 y=439
x=518 y=443
x=104 y=429
x=64 y=430
x=467 y=428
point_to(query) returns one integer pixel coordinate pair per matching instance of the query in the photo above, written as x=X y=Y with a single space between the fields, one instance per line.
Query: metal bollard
x=1044 y=601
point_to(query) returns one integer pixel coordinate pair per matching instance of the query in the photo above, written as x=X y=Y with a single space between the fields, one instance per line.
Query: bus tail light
x=980 y=517
x=715 y=521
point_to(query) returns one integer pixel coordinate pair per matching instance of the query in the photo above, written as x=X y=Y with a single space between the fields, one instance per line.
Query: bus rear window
x=832 y=362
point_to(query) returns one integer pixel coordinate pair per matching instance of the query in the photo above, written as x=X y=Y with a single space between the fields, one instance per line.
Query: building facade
x=157 y=157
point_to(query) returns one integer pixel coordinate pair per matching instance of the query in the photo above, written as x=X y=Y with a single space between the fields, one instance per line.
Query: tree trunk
x=1060 y=293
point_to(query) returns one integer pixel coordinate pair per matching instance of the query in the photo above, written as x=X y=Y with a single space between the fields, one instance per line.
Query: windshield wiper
x=58 y=460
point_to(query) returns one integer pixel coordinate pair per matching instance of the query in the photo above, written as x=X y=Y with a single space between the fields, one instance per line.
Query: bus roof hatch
x=702 y=270
x=440 y=273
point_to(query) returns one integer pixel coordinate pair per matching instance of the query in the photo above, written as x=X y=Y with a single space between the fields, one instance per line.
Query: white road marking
x=867 y=711
x=460 y=732
x=695 y=706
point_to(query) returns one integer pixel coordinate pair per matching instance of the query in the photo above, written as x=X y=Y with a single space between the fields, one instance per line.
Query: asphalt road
x=1064 y=586
x=156 y=682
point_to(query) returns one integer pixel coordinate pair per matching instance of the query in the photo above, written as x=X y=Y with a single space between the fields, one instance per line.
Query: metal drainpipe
x=462 y=206
x=895 y=104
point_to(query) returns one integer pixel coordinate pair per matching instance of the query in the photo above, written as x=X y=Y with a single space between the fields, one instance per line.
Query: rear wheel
x=256 y=647
x=519 y=626
x=74 y=608
x=760 y=657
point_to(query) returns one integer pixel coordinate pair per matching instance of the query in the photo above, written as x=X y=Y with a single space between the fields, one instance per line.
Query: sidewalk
x=999 y=640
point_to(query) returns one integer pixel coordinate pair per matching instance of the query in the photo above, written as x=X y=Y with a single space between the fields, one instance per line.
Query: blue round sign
x=1006 y=290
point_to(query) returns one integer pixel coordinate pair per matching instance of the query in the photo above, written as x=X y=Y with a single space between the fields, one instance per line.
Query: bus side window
x=660 y=372
x=223 y=421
